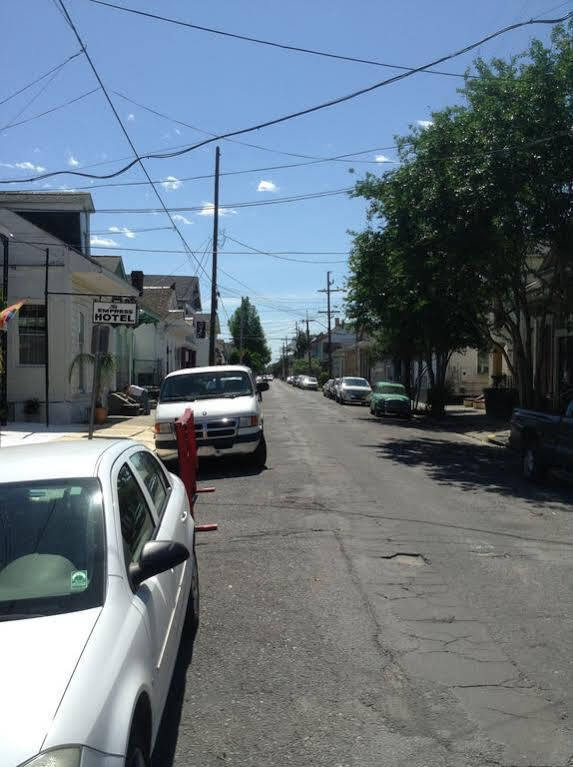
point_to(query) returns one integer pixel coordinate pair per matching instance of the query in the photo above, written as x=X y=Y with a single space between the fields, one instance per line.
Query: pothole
x=404 y=558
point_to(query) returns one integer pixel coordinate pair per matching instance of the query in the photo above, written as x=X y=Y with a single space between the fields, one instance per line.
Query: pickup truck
x=545 y=441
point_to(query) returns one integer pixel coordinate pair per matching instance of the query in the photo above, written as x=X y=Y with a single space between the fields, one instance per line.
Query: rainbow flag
x=9 y=312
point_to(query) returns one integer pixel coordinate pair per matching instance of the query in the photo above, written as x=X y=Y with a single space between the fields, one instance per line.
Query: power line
x=279 y=256
x=38 y=79
x=124 y=130
x=29 y=103
x=49 y=111
x=232 y=205
x=300 y=113
x=283 y=46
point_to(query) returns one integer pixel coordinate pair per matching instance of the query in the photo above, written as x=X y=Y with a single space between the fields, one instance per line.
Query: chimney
x=137 y=281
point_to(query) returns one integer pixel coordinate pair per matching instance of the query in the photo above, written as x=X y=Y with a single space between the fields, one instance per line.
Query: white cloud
x=182 y=219
x=382 y=158
x=37 y=150
x=266 y=186
x=130 y=117
x=208 y=209
x=424 y=123
x=23 y=166
x=73 y=162
x=123 y=230
x=171 y=182
x=177 y=131
x=102 y=242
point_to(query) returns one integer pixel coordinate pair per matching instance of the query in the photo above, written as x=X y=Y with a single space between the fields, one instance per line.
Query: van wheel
x=533 y=468
x=259 y=457
x=137 y=750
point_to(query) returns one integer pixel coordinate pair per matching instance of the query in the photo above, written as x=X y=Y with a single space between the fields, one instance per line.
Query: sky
x=218 y=84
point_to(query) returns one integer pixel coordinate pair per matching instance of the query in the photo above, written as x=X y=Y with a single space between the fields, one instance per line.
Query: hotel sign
x=121 y=313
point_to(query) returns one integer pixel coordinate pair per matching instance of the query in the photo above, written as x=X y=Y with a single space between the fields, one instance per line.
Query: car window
x=356 y=381
x=153 y=478
x=383 y=388
x=569 y=410
x=137 y=526
x=207 y=385
x=52 y=547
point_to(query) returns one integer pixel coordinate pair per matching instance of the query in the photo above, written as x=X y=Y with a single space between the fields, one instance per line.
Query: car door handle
x=184 y=516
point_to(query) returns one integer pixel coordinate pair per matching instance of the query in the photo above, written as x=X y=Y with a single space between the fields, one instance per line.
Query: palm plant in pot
x=107 y=366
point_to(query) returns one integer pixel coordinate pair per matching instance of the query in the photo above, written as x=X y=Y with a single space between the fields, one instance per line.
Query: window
x=153 y=478
x=137 y=526
x=53 y=555
x=103 y=331
x=483 y=363
x=32 y=332
x=212 y=385
x=81 y=343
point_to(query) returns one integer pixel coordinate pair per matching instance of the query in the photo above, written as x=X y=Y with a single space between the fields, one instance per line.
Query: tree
x=479 y=211
x=248 y=337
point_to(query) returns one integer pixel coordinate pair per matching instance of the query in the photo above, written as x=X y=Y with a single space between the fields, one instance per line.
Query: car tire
x=532 y=466
x=138 y=749
x=259 y=457
x=191 y=625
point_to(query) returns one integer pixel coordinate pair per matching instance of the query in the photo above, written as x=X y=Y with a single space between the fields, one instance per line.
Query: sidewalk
x=475 y=424
x=138 y=428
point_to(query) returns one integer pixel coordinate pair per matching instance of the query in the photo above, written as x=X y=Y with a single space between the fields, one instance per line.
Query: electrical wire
x=38 y=79
x=125 y=132
x=281 y=257
x=49 y=111
x=12 y=122
x=227 y=207
x=258 y=41
x=292 y=115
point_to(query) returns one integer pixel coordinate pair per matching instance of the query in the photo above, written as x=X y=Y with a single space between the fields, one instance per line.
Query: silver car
x=98 y=582
x=353 y=391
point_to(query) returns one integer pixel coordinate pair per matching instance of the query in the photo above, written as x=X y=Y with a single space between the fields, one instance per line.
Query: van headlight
x=248 y=420
x=163 y=428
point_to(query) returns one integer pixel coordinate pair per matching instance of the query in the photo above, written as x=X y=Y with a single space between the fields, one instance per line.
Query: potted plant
x=107 y=366
x=31 y=408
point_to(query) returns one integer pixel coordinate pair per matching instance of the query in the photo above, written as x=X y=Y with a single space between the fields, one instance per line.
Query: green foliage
x=480 y=206
x=255 y=351
x=107 y=366
x=300 y=367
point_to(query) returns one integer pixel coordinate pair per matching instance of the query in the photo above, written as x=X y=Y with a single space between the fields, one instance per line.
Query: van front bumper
x=241 y=444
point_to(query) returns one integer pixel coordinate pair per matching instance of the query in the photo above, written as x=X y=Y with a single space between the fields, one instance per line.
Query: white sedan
x=98 y=582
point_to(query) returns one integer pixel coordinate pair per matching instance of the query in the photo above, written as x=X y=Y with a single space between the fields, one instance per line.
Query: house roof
x=111 y=263
x=186 y=288
x=49 y=201
x=158 y=300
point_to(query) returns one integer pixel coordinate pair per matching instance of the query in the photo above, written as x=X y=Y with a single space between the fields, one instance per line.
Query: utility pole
x=213 y=323
x=328 y=312
x=241 y=323
x=4 y=338
x=285 y=357
x=308 y=344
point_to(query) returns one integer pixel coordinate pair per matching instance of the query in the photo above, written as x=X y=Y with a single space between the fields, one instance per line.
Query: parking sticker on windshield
x=79 y=580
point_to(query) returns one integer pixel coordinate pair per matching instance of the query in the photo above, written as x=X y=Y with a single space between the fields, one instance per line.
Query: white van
x=226 y=404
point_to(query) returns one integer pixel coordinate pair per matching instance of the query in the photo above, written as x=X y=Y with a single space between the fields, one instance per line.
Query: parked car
x=545 y=441
x=98 y=583
x=390 y=398
x=335 y=387
x=327 y=388
x=353 y=390
x=226 y=404
x=290 y=380
x=309 y=382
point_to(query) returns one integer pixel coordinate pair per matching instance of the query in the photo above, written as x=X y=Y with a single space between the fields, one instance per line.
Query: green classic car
x=390 y=398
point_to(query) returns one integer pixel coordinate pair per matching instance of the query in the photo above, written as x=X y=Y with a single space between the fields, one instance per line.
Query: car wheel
x=259 y=457
x=191 y=625
x=137 y=750
x=533 y=468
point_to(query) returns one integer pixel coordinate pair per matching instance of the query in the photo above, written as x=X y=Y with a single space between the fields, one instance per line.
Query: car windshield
x=355 y=382
x=209 y=385
x=51 y=547
x=390 y=389
x=310 y=379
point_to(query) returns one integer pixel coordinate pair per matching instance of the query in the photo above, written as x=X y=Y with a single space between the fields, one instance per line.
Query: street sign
x=121 y=313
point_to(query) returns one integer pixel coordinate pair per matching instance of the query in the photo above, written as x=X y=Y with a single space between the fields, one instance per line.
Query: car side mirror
x=262 y=386
x=156 y=557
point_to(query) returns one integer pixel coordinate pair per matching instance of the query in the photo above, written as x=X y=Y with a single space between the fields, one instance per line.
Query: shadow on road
x=474 y=466
x=460 y=422
x=224 y=468
x=166 y=743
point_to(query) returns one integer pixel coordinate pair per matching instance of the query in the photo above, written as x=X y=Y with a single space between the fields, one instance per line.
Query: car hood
x=38 y=658
x=395 y=398
x=357 y=389
x=207 y=408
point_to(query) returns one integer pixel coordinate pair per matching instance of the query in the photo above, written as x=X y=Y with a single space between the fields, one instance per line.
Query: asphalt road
x=385 y=593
